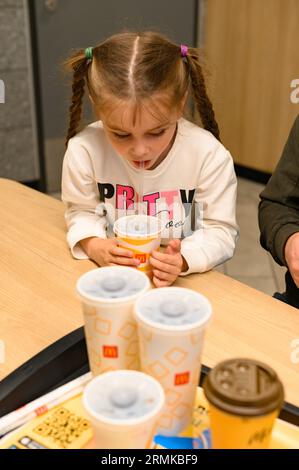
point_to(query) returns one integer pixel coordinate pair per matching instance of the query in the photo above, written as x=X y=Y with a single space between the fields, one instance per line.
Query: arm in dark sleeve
x=279 y=205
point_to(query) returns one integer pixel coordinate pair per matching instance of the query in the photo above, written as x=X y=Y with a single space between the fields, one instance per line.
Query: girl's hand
x=168 y=265
x=291 y=253
x=106 y=252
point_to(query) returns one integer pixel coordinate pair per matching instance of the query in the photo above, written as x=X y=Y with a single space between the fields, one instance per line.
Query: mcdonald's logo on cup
x=182 y=379
x=142 y=257
x=110 y=351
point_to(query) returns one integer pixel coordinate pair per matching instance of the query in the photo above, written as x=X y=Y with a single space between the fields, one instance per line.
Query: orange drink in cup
x=140 y=234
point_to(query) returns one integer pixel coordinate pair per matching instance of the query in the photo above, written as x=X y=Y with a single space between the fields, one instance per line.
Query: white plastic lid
x=173 y=308
x=112 y=283
x=123 y=397
x=139 y=225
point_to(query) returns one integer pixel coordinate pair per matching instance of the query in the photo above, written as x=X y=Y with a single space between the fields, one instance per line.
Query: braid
x=79 y=64
x=203 y=103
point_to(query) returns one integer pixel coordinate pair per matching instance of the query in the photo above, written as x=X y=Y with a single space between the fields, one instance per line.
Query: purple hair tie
x=184 y=50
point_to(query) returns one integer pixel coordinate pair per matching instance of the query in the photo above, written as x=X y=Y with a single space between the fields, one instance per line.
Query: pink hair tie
x=184 y=50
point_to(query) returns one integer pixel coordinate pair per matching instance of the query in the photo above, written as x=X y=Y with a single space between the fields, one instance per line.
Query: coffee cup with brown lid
x=245 y=397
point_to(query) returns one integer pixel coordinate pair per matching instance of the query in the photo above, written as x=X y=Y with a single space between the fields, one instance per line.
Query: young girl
x=138 y=84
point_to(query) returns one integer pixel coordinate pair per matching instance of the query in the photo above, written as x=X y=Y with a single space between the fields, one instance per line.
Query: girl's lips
x=142 y=164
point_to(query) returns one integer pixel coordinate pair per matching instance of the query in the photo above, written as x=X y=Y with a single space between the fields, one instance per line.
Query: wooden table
x=38 y=304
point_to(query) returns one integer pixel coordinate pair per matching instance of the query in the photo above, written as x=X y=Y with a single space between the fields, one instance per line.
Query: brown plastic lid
x=244 y=387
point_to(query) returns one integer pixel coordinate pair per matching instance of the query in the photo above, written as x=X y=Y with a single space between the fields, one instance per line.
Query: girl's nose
x=139 y=150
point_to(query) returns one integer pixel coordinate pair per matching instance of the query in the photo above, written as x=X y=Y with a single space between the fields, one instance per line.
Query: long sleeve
x=279 y=206
x=84 y=215
x=216 y=231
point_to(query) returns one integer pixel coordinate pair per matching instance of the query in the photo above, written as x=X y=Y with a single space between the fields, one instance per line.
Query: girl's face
x=145 y=143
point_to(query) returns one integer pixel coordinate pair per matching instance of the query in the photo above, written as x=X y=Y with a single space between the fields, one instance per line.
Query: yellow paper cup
x=245 y=397
x=140 y=234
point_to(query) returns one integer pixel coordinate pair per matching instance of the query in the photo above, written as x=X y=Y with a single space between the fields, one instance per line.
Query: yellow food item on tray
x=63 y=427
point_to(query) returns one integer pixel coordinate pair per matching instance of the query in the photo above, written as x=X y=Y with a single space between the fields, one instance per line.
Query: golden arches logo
x=110 y=351
x=182 y=379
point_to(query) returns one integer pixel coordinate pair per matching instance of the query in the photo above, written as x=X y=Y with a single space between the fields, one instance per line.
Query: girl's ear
x=182 y=105
x=94 y=108
x=184 y=100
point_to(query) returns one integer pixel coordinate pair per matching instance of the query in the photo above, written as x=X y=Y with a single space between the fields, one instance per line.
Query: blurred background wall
x=252 y=52
x=19 y=158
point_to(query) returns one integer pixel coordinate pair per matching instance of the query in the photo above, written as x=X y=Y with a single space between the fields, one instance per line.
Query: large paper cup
x=245 y=397
x=108 y=295
x=171 y=325
x=140 y=234
x=124 y=407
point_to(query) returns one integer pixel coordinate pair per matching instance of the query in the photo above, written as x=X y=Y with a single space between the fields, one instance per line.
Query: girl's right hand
x=106 y=252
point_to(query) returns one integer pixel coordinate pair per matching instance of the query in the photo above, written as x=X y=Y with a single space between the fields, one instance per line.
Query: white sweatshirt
x=193 y=191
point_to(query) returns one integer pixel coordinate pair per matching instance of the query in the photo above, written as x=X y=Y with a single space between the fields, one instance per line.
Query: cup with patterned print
x=124 y=407
x=107 y=295
x=245 y=397
x=140 y=234
x=171 y=327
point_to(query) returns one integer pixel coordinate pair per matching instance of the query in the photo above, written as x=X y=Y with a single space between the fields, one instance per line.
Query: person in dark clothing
x=279 y=216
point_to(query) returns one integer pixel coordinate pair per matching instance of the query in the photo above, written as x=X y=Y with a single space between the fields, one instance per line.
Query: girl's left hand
x=168 y=265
